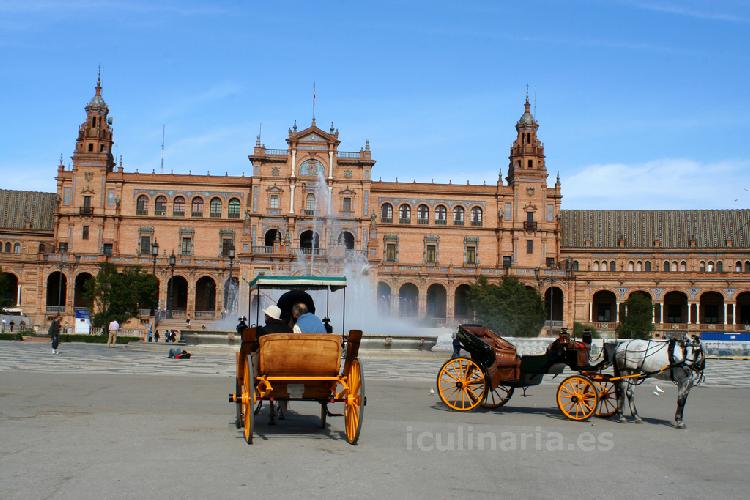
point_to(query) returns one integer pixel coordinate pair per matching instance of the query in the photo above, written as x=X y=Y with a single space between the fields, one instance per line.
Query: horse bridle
x=698 y=362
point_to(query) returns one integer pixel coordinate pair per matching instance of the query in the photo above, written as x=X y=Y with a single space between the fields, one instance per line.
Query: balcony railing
x=196 y=214
x=178 y=213
x=233 y=215
x=86 y=211
x=476 y=223
x=404 y=221
x=141 y=211
x=55 y=309
x=205 y=314
x=458 y=222
x=423 y=221
x=386 y=220
x=530 y=225
x=347 y=154
x=262 y=249
x=309 y=212
x=160 y=212
x=311 y=251
x=277 y=152
x=441 y=222
x=215 y=215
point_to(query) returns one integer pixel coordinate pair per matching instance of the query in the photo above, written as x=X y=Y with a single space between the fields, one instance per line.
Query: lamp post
x=172 y=263
x=227 y=293
x=551 y=281
x=154 y=255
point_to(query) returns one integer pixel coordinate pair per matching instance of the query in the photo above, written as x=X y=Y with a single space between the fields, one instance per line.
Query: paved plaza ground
x=127 y=422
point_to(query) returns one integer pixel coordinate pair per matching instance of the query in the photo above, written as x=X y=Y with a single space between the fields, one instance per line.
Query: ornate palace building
x=310 y=203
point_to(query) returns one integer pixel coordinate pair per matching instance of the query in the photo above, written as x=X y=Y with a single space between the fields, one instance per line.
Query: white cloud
x=659 y=184
x=698 y=10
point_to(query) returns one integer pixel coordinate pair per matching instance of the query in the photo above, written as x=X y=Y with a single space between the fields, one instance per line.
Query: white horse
x=681 y=361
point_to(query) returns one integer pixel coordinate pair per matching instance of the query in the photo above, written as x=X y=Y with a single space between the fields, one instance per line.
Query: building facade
x=310 y=207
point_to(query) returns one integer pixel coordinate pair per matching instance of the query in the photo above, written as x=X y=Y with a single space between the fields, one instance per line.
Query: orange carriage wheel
x=248 y=399
x=354 y=409
x=607 y=399
x=461 y=384
x=497 y=397
x=577 y=397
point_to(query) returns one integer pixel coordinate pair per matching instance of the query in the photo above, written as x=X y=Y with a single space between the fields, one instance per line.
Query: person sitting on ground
x=305 y=321
x=177 y=353
x=274 y=323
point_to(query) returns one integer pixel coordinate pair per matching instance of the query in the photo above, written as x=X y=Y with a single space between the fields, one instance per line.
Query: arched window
x=458 y=216
x=234 y=209
x=17 y=248
x=683 y=266
x=575 y=265
x=631 y=266
x=441 y=214
x=178 y=206
x=214 y=208
x=702 y=267
x=404 y=214
x=647 y=266
x=639 y=266
x=160 y=205
x=747 y=266
x=666 y=266
x=595 y=266
x=612 y=267
x=196 y=209
x=7 y=248
x=310 y=204
x=476 y=216
x=141 y=205
x=720 y=267
x=738 y=267
x=423 y=214
x=675 y=267
x=386 y=213
x=710 y=266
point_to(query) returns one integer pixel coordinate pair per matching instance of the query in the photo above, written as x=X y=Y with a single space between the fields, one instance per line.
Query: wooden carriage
x=299 y=367
x=493 y=370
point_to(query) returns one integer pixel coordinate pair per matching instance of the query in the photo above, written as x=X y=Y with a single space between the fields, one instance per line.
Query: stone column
x=18 y=295
x=422 y=303
x=661 y=313
x=617 y=311
x=190 y=307
x=591 y=312
x=395 y=311
x=734 y=313
x=725 y=313
x=690 y=313
x=450 y=304
x=291 y=197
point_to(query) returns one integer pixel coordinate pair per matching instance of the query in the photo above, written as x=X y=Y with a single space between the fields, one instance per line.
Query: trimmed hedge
x=11 y=336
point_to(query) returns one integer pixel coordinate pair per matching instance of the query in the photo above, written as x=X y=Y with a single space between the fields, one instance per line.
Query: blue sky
x=642 y=104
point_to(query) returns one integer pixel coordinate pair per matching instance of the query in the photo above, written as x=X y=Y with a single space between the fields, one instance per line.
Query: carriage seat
x=534 y=363
x=299 y=354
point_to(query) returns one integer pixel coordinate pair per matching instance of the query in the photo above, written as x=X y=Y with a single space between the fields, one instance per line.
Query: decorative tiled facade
x=425 y=241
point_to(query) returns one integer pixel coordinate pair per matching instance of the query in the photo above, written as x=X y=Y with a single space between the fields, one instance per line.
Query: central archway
x=712 y=308
x=675 y=307
x=272 y=237
x=57 y=290
x=80 y=297
x=742 y=309
x=436 y=300
x=309 y=242
x=177 y=295
x=384 y=298
x=205 y=297
x=408 y=300
x=462 y=311
x=553 y=304
x=604 y=306
x=347 y=240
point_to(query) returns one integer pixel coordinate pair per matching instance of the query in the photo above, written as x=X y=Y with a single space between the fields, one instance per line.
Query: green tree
x=579 y=328
x=637 y=323
x=119 y=295
x=509 y=308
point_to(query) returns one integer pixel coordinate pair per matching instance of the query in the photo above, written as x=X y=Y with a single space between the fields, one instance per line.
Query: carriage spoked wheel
x=248 y=400
x=607 y=399
x=354 y=409
x=497 y=397
x=461 y=384
x=577 y=397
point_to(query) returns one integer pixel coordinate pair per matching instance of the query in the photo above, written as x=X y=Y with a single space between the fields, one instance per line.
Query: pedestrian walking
x=114 y=326
x=12 y=325
x=54 y=333
x=156 y=336
x=187 y=321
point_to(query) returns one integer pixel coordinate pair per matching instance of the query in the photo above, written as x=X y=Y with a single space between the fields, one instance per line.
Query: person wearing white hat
x=274 y=324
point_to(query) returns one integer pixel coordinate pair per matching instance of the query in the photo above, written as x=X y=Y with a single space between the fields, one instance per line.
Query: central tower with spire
x=527 y=151
x=94 y=142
